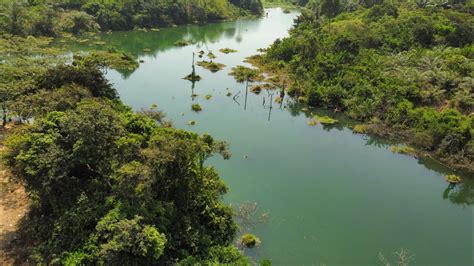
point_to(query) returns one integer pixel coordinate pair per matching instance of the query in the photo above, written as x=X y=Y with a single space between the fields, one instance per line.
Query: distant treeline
x=52 y=17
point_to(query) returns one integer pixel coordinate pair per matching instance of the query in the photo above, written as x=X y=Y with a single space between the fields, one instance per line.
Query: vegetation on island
x=404 y=69
x=196 y=107
x=227 y=51
x=211 y=66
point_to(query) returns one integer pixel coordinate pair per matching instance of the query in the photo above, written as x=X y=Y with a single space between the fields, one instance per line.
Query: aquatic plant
x=227 y=50
x=453 y=179
x=196 y=107
x=403 y=150
x=191 y=123
x=211 y=66
x=249 y=240
x=208 y=97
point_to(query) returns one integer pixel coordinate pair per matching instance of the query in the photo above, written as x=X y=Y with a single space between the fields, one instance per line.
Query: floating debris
x=208 y=97
x=146 y=50
x=191 y=123
x=229 y=94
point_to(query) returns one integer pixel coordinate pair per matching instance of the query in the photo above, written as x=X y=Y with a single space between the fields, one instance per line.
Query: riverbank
x=14 y=204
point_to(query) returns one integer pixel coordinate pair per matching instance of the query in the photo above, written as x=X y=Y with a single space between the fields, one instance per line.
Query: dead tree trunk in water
x=4 y=109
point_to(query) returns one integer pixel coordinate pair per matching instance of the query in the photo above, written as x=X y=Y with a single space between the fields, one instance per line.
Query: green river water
x=331 y=197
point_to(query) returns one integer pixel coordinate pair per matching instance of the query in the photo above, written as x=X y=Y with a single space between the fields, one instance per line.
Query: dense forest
x=107 y=185
x=53 y=17
x=404 y=69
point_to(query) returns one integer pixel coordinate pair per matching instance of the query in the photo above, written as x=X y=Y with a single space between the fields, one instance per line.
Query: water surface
x=332 y=197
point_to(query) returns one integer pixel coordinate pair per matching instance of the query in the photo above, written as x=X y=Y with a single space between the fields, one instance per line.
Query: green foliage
x=409 y=68
x=108 y=185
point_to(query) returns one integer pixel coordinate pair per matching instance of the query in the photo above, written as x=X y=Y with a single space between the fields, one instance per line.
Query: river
x=323 y=194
